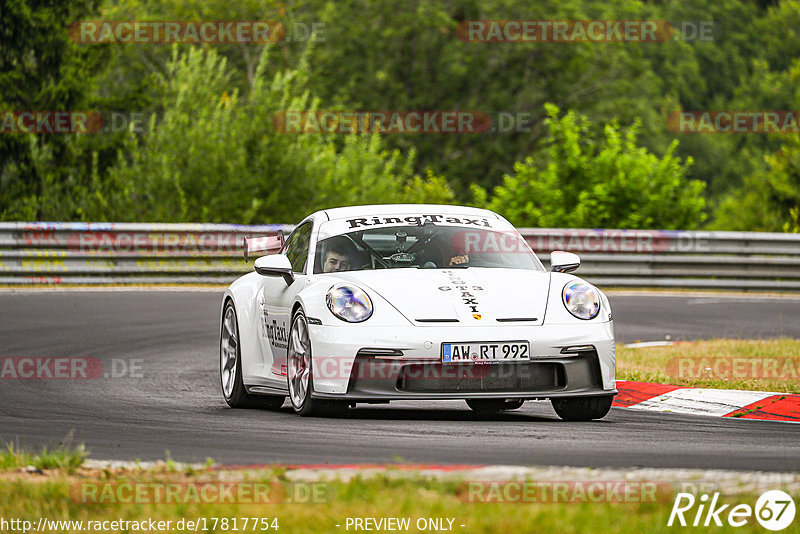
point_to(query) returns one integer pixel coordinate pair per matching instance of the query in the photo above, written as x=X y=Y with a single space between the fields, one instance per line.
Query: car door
x=277 y=297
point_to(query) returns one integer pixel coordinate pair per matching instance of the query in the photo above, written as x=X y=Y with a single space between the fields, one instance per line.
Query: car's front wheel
x=494 y=405
x=230 y=367
x=300 y=372
x=582 y=408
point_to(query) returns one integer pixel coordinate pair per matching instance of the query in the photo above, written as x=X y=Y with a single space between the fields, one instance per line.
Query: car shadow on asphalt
x=385 y=412
x=410 y=414
x=366 y=412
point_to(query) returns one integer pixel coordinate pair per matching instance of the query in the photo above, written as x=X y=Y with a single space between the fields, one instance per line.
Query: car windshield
x=428 y=246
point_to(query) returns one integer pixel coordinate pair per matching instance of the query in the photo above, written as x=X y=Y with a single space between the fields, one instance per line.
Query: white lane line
x=646 y=344
x=766 y=296
x=113 y=289
x=700 y=401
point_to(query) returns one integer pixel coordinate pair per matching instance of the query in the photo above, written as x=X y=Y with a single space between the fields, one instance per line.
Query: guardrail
x=124 y=253
x=133 y=253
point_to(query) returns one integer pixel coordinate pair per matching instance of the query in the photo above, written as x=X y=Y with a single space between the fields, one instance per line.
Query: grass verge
x=59 y=496
x=62 y=457
x=756 y=365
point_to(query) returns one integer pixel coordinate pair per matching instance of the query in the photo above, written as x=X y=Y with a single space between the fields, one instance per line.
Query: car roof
x=390 y=209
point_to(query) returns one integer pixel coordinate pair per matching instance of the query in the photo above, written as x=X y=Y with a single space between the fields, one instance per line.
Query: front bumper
x=380 y=363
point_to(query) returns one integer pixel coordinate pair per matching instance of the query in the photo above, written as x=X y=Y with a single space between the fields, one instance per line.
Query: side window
x=297 y=247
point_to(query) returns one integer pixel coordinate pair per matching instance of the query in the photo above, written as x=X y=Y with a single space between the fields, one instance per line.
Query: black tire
x=306 y=405
x=239 y=397
x=582 y=408
x=494 y=405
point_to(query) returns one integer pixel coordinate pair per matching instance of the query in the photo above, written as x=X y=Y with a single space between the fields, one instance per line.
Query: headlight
x=349 y=303
x=581 y=300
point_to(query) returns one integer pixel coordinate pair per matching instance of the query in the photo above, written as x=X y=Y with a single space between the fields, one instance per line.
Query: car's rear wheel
x=582 y=408
x=230 y=367
x=494 y=405
x=300 y=372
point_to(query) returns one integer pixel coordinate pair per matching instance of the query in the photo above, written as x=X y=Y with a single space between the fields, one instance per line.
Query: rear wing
x=263 y=245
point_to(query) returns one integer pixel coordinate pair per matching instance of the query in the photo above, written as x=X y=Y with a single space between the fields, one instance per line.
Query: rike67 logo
x=774 y=510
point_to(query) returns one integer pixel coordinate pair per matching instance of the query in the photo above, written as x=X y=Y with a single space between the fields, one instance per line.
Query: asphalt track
x=175 y=405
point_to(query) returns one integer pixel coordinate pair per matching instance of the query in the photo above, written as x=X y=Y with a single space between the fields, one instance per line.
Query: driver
x=339 y=255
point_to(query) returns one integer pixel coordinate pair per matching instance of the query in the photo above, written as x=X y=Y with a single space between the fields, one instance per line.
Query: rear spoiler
x=261 y=246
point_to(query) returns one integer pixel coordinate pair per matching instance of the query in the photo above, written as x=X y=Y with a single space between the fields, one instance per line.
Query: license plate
x=503 y=351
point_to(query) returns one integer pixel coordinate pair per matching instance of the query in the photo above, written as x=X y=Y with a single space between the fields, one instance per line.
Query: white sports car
x=370 y=304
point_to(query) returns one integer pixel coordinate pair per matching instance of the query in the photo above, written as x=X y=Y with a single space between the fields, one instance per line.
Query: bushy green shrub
x=218 y=157
x=767 y=201
x=584 y=180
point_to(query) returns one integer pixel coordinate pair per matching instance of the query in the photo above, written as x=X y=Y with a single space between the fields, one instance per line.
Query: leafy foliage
x=216 y=156
x=212 y=153
x=41 y=69
x=768 y=201
x=611 y=182
x=63 y=457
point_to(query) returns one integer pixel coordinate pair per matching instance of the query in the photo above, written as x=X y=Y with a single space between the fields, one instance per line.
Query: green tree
x=585 y=180
x=381 y=55
x=41 y=69
x=768 y=201
x=216 y=157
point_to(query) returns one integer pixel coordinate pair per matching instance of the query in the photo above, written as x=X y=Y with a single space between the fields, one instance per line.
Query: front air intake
x=373 y=352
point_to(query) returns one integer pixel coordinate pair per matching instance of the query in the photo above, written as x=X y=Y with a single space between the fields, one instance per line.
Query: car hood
x=473 y=296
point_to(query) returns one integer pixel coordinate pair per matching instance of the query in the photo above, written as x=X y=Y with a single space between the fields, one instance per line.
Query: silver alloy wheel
x=299 y=362
x=228 y=352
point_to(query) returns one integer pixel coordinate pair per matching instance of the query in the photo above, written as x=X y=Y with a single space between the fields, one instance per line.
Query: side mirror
x=564 y=262
x=275 y=265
